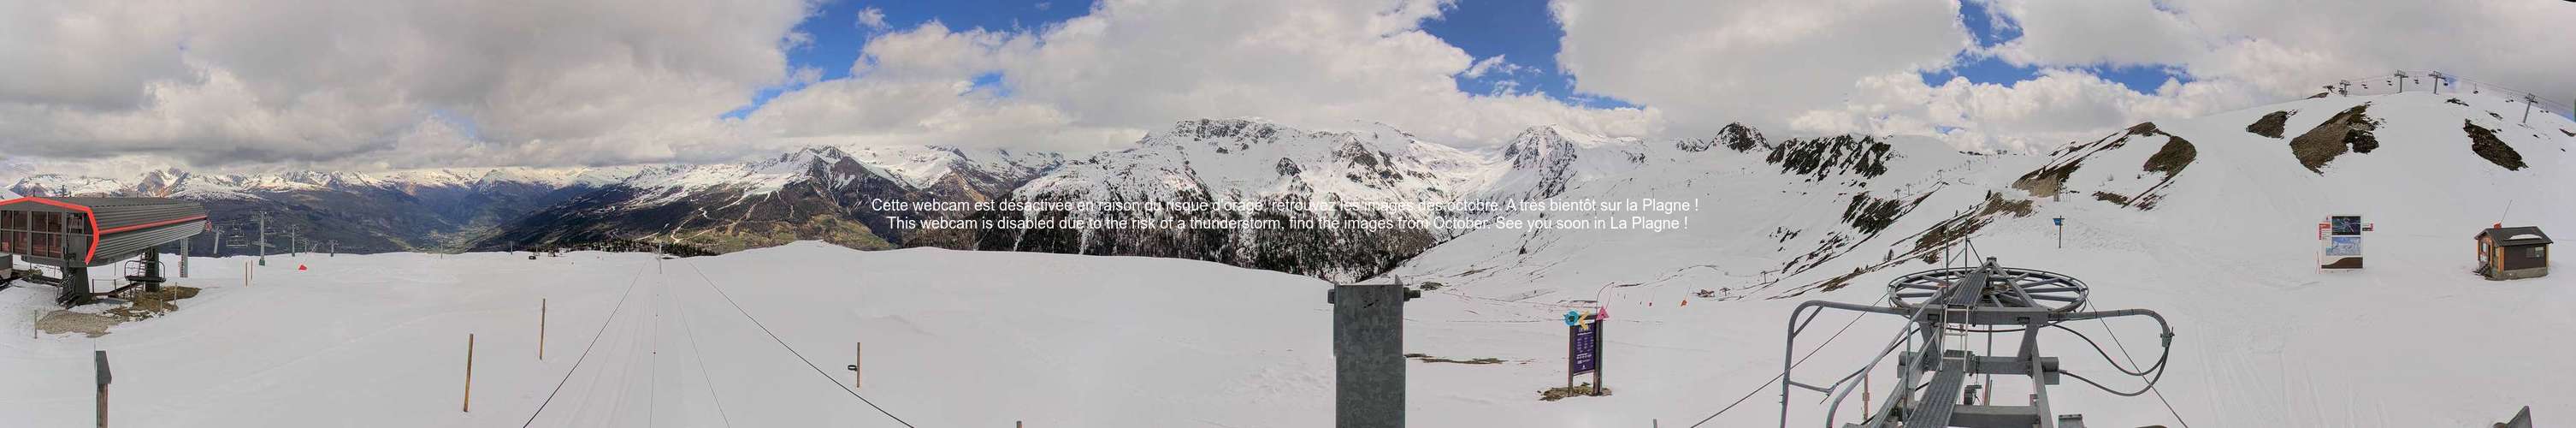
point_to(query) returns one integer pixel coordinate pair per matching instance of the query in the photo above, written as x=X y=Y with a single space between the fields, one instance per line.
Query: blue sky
x=1525 y=35
x=838 y=33
x=1990 y=30
x=1522 y=32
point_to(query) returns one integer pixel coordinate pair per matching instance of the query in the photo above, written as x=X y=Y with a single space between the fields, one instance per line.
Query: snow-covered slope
x=380 y=340
x=1248 y=172
x=1544 y=161
x=814 y=193
x=2225 y=248
x=1743 y=220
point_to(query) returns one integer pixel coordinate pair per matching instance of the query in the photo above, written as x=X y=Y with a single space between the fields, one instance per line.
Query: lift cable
x=764 y=329
x=1820 y=347
x=701 y=357
x=2133 y=360
x=585 y=349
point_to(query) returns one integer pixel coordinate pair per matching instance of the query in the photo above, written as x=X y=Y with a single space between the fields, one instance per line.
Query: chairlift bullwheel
x=2027 y=288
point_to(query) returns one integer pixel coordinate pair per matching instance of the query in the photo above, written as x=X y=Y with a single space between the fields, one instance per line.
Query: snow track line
x=585 y=349
x=701 y=357
x=764 y=329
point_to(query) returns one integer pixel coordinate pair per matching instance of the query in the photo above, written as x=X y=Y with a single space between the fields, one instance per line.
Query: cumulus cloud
x=1761 y=61
x=1493 y=64
x=872 y=18
x=374 y=84
x=2107 y=32
x=1818 y=67
x=334 y=83
x=1099 y=81
x=2054 y=108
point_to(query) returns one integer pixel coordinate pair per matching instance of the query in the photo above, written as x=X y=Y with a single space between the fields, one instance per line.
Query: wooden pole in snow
x=857 y=356
x=469 y=373
x=541 y=329
x=102 y=387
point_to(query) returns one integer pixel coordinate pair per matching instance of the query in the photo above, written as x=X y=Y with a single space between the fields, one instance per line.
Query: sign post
x=1583 y=347
x=2340 y=238
x=2061 y=231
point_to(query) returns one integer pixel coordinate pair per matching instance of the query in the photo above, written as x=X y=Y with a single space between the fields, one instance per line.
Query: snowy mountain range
x=1819 y=201
x=417 y=210
x=2210 y=221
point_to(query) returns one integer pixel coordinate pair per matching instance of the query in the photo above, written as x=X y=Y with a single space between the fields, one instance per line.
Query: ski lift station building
x=2513 y=253
x=76 y=232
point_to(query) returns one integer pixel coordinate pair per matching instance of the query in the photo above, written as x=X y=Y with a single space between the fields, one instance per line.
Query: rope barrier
x=764 y=329
x=585 y=349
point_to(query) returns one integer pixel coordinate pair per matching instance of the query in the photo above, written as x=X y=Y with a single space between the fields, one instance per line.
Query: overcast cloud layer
x=389 y=84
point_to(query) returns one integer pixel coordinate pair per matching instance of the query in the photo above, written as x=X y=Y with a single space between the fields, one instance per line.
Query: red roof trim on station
x=92 y=216
x=152 y=224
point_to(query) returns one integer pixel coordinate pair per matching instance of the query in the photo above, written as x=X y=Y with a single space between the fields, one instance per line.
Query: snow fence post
x=541 y=329
x=1368 y=354
x=469 y=373
x=101 y=357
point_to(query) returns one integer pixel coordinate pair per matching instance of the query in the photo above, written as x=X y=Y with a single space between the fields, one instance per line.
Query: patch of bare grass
x=2349 y=131
x=2173 y=157
x=2270 y=125
x=2112 y=197
x=1560 y=393
x=2484 y=142
x=1427 y=358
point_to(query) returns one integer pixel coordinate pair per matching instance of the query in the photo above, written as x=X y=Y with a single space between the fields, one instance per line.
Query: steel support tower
x=1944 y=307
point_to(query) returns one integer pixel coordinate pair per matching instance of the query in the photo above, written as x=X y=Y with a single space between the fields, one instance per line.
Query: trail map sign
x=1587 y=351
x=2340 y=240
x=1583 y=347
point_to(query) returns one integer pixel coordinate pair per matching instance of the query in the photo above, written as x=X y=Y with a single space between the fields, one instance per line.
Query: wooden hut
x=2513 y=253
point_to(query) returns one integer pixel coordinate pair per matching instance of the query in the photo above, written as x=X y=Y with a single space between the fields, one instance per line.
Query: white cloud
x=1851 y=65
x=2038 y=114
x=1494 y=64
x=1763 y=62
x=872 y=18
x=336 y=83
x=396 y=84
x=2290 y=49
x=2105 y=32
x=1098 y=81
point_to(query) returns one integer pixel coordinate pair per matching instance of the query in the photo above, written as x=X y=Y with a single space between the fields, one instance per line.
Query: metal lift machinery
x=1935 y=369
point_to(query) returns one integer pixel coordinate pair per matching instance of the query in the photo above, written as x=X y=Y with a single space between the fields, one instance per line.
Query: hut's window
x=2539 y=252
x=13 y=220
x=48 y=222
x=45 y=245
x=76 y=224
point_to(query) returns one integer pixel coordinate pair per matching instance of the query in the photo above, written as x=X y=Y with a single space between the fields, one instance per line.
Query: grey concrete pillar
x=1368 y=354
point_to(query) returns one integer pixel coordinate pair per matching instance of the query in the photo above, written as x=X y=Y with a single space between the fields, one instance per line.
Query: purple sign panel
x=1586 y=346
